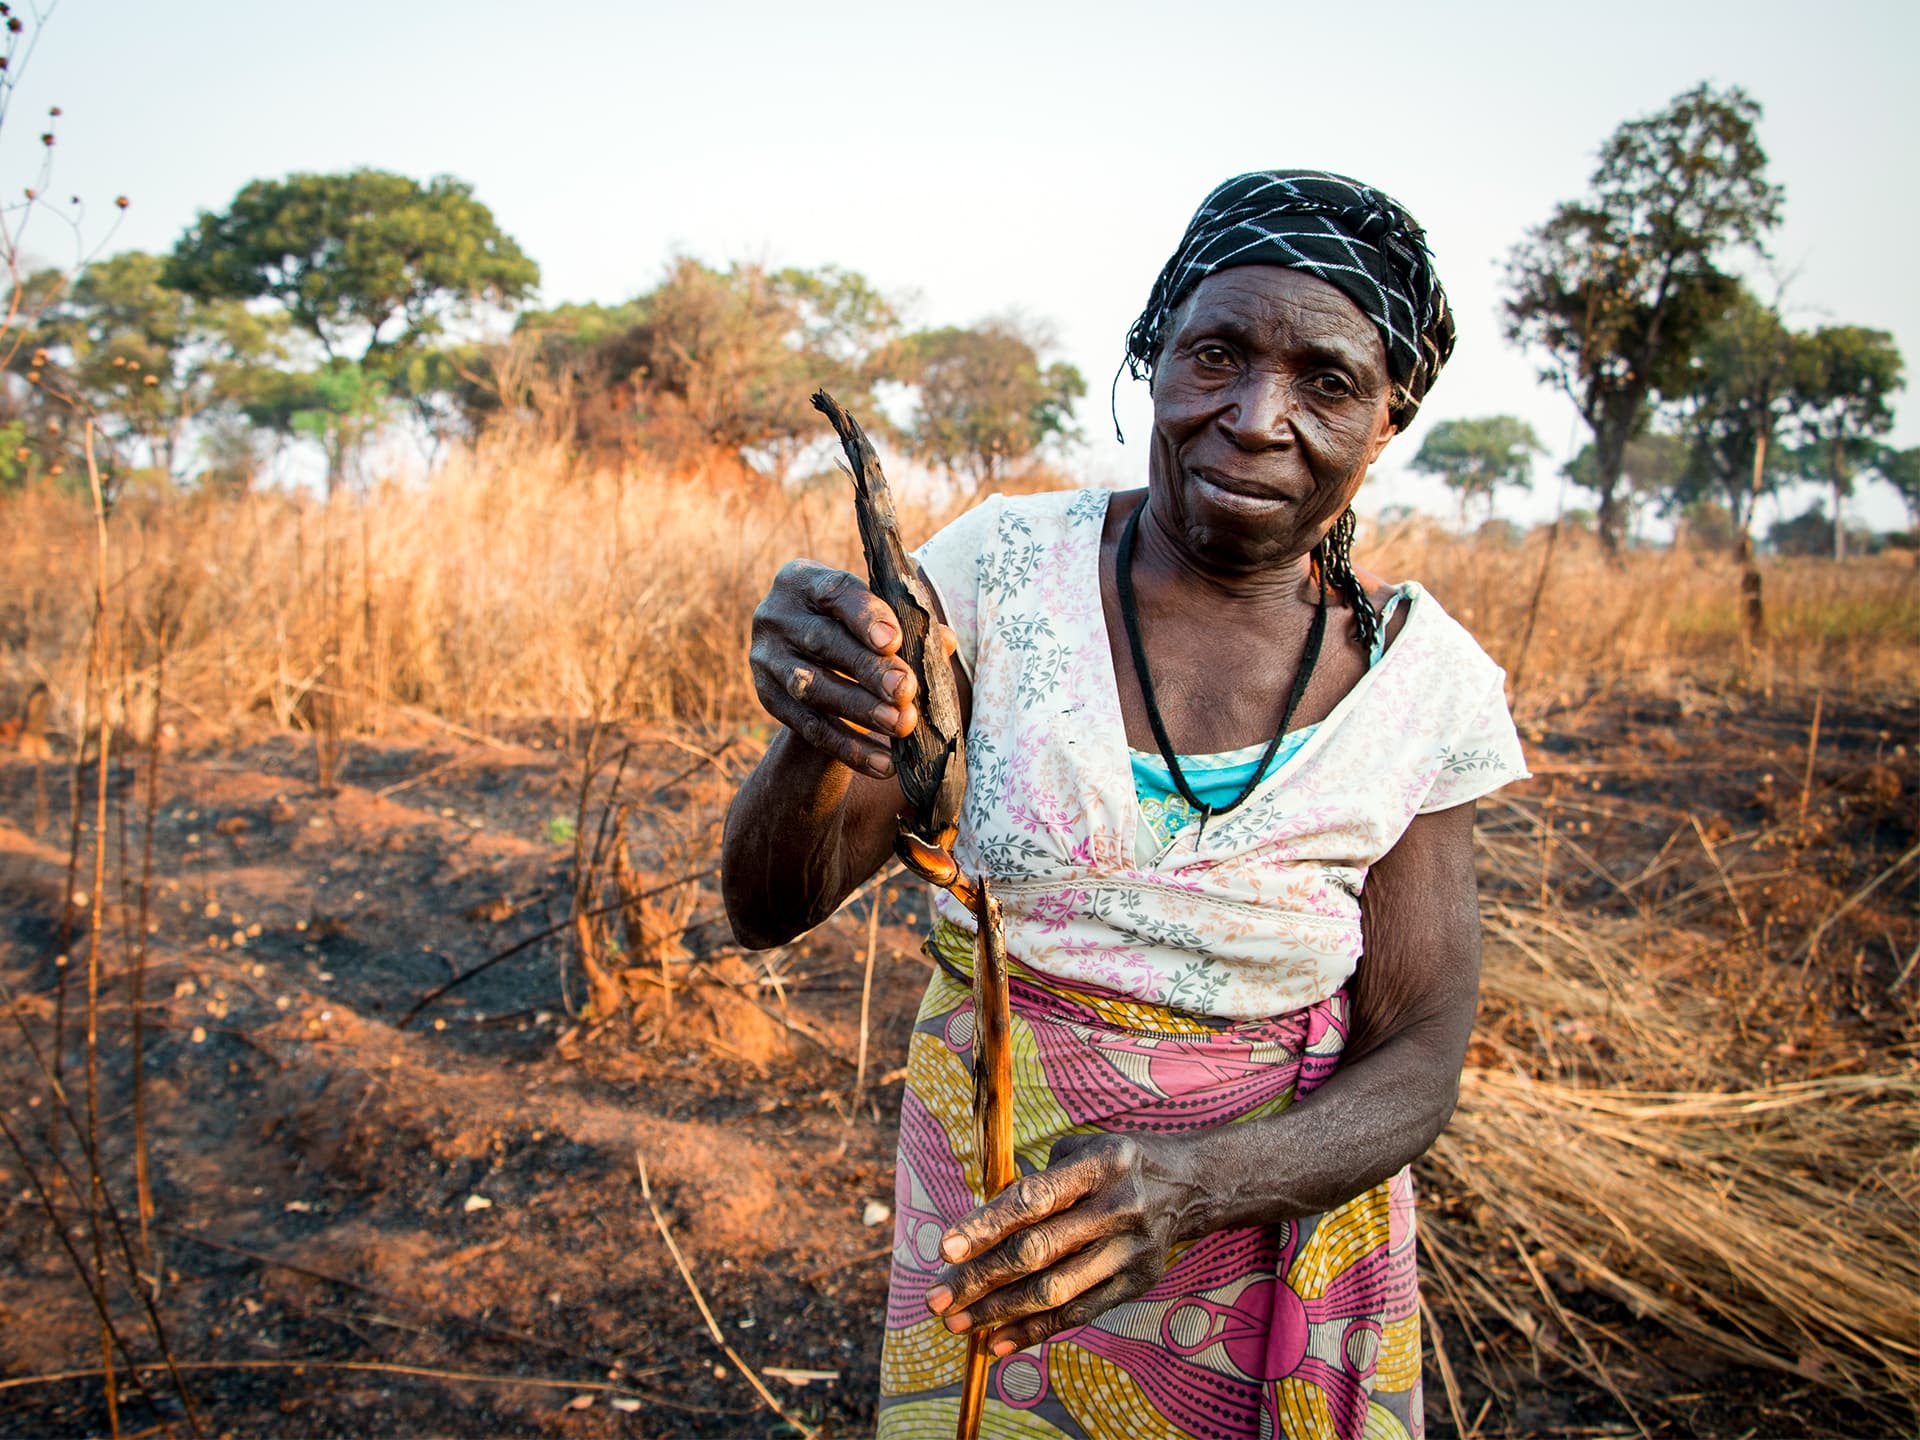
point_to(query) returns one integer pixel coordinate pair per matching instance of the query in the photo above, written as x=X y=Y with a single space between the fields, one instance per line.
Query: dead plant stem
x=700 y=1302
x=866 y=1002
x=97 y=674
x=90 y=1277
x=137 y=984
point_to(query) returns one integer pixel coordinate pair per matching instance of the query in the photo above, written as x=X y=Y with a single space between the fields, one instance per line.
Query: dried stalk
x=63 y=1106
x=97 y=675
x=143 y=1188
x=866 y=1005
x=700 y=1302
x=547 y=934
x=992 y=1114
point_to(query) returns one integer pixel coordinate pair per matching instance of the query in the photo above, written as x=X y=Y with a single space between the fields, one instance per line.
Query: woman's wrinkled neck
x=1164 y=555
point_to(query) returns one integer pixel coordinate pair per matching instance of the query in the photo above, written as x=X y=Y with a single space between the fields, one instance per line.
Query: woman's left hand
x=1058 y=1247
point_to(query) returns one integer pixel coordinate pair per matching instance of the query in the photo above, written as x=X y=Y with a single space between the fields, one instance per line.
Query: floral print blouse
x=1257 y=915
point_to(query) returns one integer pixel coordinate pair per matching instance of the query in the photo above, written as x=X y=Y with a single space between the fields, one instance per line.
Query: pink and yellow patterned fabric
x=1258 y=916
x=1308 y=1330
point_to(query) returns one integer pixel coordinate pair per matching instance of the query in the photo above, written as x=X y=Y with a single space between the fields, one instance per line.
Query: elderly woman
x=1224 y=785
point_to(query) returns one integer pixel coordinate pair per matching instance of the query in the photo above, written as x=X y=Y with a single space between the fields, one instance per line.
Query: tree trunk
x=1610 y=461
x=1837 y=469
x=1753 y=619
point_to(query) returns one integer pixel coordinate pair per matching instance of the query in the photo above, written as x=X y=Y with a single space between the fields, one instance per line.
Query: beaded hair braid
x=1334 y=556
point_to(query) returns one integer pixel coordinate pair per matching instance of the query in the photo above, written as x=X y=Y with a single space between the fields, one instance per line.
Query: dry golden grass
x=1773 y=1221
x=514 y=583
x=1664 y=618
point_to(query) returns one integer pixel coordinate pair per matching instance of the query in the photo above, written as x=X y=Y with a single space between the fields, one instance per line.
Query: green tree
x=1651 y=472
x=1901 y=469
x=733 y=356
x=985 y=398
x=1742 y=385
x=1846 y=379
x=1613 y=290
x=1809 y=533
x=335 y=406
x=146 y=360
x=370 y=264
x=1476 y=457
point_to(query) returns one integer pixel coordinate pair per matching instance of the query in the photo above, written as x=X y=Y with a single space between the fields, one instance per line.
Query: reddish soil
x=460 y=1198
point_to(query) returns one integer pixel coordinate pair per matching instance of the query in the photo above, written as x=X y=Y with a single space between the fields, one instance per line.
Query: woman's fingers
x=1032 y=1198
x=851 y=629
x=853 y=748
x=824 y=665
x=1052 y=1289
x=1083 y=1309
x=1049 y=1251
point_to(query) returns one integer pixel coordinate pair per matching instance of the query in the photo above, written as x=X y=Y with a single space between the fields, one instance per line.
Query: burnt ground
x=361 y=1229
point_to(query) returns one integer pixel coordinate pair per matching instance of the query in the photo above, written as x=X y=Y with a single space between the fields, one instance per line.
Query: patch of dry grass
x=1664 y=618
x=515 y=582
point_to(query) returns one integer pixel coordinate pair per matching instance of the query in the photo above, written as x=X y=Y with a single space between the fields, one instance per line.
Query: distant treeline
x=320 y=308
x=324 y=307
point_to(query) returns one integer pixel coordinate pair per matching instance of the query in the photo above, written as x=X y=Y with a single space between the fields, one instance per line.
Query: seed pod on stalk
x=932 y=760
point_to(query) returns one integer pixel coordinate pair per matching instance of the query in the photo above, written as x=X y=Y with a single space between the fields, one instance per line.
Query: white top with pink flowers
x=1260 y=914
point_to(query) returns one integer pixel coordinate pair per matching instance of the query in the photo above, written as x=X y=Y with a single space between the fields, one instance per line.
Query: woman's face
x=1269 y=403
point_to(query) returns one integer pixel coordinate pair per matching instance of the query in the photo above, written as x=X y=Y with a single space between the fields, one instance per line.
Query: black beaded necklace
x=1123 y=584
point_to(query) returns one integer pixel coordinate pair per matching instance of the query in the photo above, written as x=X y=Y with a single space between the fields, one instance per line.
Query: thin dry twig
x=706 y=1314
x=866 y=1002
x=376 y=1367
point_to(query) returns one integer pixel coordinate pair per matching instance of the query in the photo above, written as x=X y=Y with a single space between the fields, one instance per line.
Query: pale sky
x=989 y=158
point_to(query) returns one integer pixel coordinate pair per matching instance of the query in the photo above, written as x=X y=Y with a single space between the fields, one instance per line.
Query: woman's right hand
x=826 y=665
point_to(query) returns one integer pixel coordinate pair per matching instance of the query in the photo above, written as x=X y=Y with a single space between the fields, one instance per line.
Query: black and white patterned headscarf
x=1336 y=229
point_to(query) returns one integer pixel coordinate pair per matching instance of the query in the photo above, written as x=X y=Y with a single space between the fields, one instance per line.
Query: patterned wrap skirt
x=1306 y=1329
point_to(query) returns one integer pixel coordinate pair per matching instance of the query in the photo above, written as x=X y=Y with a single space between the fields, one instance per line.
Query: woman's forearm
x=1359 y=1128
x=802 y=832
x=1413 y=998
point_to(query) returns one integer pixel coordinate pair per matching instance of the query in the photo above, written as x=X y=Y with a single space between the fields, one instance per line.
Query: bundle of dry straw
x=1618 y=1132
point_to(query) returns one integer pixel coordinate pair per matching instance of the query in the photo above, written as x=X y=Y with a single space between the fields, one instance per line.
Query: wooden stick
x=992 y=1114
x=866 y=1003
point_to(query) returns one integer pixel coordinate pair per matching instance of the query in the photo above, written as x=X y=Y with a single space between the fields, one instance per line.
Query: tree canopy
x=1651 y=474
x=1740 y=385
x=370 y=264
x=1901 y=470
x=145 y=359
x=1476 y=457
x=1845 y=379
x=985 y=398
x=708 y=360
x=1614 y=290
